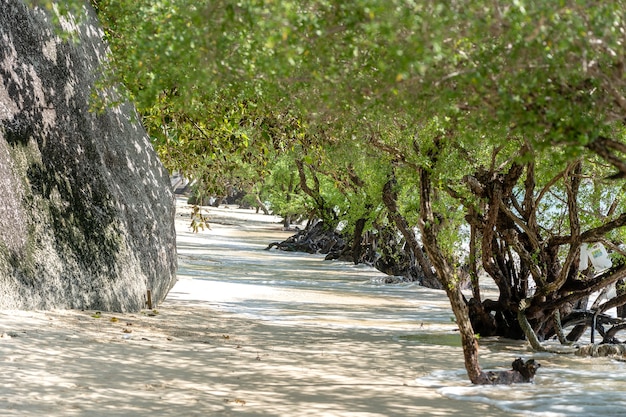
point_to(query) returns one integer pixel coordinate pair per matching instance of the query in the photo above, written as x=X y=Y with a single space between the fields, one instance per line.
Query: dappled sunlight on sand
x=193 y=360
x=249 y=332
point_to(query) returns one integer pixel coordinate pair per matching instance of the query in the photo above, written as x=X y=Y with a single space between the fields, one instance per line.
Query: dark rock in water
x=86 y=209
x=521 y=372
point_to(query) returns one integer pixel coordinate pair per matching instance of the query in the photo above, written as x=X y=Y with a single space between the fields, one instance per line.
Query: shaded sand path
x=207 y=352
x=192 y=360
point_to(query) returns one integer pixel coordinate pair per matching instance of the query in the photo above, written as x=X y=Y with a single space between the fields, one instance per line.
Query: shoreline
x=195 y=357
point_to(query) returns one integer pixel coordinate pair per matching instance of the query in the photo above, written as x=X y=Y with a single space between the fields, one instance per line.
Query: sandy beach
x=190 y=360
x=190 y=357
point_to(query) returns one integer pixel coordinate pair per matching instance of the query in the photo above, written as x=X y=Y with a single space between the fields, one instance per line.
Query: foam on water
x=572 y=388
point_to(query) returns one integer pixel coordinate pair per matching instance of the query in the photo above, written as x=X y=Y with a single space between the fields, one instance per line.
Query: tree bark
x=468 y=338
x=325 y=212
x=390 y=200
x=261 y=205
x=357 y=237
x=451 y=285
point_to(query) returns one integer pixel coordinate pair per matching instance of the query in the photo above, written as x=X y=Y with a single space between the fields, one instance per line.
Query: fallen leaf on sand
x=236 y=401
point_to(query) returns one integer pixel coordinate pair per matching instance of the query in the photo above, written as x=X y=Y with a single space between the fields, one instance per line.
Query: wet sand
x=192 y=357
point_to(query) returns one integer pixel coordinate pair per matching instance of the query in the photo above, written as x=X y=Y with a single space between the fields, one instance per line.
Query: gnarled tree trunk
x=390 y=198
x=445 y=275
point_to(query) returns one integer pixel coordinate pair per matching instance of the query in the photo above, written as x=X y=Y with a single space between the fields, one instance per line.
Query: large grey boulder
x=86 y=209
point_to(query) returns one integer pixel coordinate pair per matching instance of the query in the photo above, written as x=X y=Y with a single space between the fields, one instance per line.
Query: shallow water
x=288 y=289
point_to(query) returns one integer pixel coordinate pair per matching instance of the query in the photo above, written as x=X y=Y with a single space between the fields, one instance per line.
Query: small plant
x=198 y=220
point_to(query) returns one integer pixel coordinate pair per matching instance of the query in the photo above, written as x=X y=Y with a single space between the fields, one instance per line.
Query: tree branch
x=572 y=187
x=603 y=146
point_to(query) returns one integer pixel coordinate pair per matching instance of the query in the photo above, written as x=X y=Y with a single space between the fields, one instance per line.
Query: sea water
x=304 y=290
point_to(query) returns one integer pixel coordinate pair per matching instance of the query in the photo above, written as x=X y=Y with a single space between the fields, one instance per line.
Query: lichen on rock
x=87 y=213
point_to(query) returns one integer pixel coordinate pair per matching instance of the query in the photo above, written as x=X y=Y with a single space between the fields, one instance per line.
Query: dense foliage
x=495 y=128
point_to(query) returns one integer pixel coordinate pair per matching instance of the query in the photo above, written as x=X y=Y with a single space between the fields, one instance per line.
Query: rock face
x=86 y=209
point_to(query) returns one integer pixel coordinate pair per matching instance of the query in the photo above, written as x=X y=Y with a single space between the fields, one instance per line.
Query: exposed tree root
x=602 y=350
x=531 y=336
